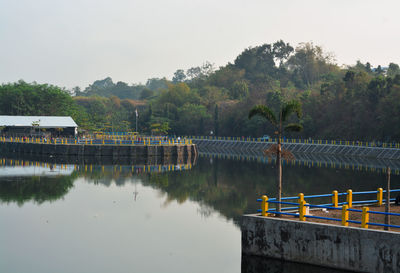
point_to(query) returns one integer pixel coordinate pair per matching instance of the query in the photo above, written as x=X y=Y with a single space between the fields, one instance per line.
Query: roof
x=43 y=121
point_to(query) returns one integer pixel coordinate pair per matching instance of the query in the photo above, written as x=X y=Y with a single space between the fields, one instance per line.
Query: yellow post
x=379 y=196
x=365 y=217
x=264 y=205
x=301 y=197
x=350 y=198
x=335 y=199
x=91 y=142
x=302 y=211
x=345 y=216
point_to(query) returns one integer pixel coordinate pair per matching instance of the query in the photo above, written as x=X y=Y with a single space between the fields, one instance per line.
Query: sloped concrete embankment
x=348 y=248
x=205 y=145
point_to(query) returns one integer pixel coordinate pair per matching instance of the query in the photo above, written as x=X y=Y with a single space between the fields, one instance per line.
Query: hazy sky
x=75 y=42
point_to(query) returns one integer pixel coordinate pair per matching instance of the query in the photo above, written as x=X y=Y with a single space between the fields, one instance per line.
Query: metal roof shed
x=37 y=121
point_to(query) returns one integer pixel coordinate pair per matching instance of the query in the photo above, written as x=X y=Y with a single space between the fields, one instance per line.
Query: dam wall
x=140 y=153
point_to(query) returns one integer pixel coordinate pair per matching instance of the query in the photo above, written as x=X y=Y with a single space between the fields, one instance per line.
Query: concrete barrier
x=347 y=248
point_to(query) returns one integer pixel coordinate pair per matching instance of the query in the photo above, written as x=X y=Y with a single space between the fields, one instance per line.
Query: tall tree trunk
x=387 y=207
x=279 y=174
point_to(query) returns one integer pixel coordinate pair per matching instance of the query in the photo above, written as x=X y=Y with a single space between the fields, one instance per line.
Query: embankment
x=256 y=148
x=348 y=248
x=113 y=153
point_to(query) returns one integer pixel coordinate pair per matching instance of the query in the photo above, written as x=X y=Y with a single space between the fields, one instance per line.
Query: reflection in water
x=35 y=188
x=125 y=206
x=229 y=187
x=318 y=161
x=22 y=180
x=254 y=264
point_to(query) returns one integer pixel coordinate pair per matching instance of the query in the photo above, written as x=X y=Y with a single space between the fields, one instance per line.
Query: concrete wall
x=354 y=249
x=179 y=153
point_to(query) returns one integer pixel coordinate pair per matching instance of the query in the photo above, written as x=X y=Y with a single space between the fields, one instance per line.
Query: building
x=38 y=126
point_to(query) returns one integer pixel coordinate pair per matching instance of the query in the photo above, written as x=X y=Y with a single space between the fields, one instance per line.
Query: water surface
x=185 y=218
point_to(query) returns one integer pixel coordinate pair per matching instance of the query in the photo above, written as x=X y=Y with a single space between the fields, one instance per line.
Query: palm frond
x=294 y=127
x=263 y=111
x=272 y=151
x=289 y=108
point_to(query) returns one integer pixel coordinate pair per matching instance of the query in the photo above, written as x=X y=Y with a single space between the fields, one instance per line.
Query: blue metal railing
x=346 y=207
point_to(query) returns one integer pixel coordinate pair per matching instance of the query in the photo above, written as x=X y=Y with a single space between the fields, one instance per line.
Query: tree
x=159 y=128
x=280 y=124
x=239 y=90
x=146 y=93
x=393 y=70
x=309 y=63
x=179 y=76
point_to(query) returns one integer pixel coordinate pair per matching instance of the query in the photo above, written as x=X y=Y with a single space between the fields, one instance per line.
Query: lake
x=179 y=218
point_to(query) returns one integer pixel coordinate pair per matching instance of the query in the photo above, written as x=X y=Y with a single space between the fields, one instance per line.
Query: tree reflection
x=38 y=189
x=227 y=186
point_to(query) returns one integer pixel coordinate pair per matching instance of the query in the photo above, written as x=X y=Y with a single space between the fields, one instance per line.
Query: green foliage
x=393 y=70
x=192 y=119
x=32 y=99
x=239 y=90
x=107 y=88
x=280 y=121
x=160 y=128
x=357 y=102
x=264 y=112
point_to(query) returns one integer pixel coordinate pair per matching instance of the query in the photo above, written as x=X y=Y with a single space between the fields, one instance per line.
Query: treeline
x=358 y=102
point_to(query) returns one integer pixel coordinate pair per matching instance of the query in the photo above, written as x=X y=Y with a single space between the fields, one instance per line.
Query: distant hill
x=122 y=90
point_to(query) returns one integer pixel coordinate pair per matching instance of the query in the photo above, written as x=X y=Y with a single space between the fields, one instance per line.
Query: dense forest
x=356 y=102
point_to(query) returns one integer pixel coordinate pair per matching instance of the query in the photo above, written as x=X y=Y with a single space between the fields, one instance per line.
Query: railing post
x=365 y=217
x=349 y=198
x=264 y=205
x=302 y=211
x=379 y=196
x=345 y=215
x=301 y=197
x=335 y=198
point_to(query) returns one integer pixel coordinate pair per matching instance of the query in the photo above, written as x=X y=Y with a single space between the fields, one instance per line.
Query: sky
x=75 y=42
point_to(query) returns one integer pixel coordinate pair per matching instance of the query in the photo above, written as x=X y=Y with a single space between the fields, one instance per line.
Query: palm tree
x=281 y=125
